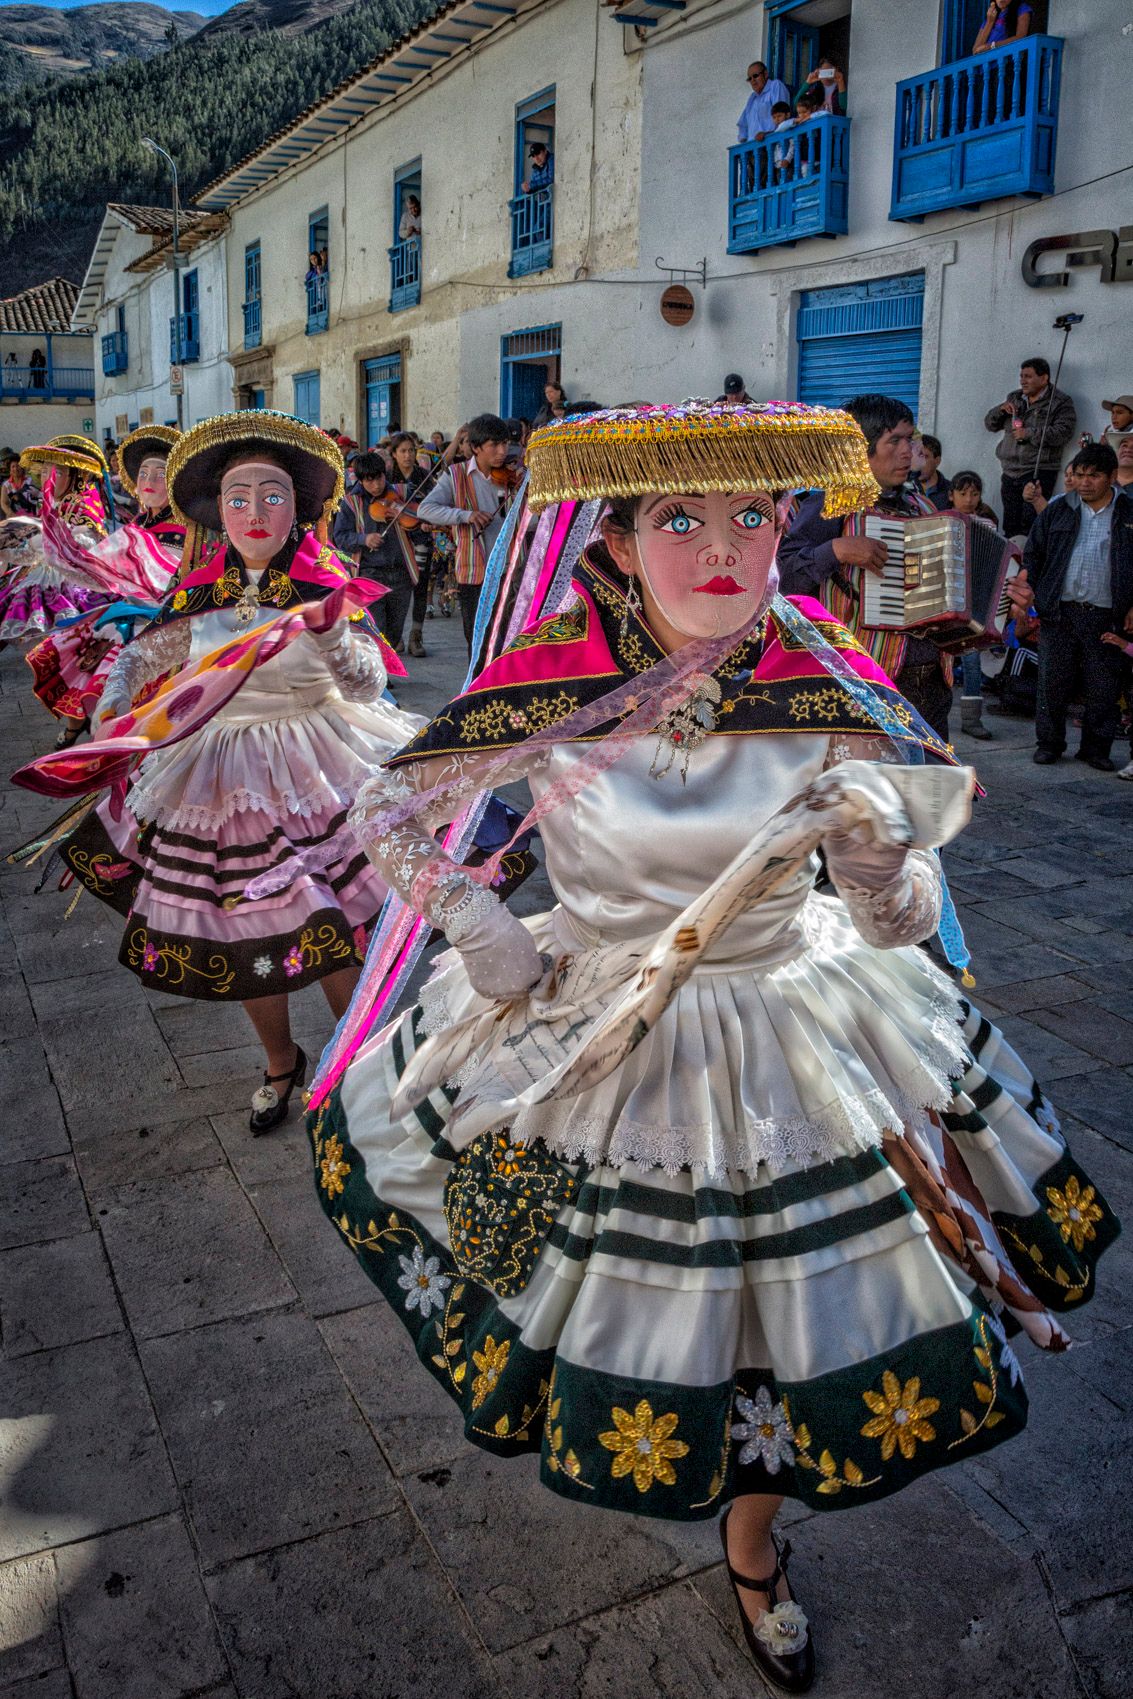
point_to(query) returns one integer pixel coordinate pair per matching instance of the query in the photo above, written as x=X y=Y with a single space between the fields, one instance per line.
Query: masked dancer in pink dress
x=35 y=592
x=131 y=568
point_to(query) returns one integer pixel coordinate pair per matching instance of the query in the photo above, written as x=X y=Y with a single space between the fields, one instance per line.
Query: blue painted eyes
x=751 y=519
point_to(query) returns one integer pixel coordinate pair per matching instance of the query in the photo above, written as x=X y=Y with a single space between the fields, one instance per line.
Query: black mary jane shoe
x=781 y=1645
x=269 y=1107
x=70 y=735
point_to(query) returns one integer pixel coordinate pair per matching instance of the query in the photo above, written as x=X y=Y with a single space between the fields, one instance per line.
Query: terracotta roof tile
x=44 y=307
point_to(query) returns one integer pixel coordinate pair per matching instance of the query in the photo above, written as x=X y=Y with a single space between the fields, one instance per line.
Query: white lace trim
x=145 y=804
x=856 y=1123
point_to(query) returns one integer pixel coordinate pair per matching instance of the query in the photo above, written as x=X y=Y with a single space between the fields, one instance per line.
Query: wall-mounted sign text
x=1110 y=251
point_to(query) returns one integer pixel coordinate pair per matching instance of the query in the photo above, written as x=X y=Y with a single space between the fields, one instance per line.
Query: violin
x=507 y=477
x=383 y=509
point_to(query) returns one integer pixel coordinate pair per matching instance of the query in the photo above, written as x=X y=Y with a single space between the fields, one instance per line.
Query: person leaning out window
x=1006 y=21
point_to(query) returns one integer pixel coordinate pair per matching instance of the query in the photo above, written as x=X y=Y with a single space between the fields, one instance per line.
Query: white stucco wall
x=147 y=298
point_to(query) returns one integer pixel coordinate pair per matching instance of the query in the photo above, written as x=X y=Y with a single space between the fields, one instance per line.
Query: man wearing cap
x=542 y=172
x=1120 y=420
x=735 y=392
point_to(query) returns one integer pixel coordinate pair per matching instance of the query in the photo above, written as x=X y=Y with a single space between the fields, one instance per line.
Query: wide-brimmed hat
x=197 y=461
x=46 y=454
x=138 y=446
x=1119 y=401
x=82 y=445
x=700 y=446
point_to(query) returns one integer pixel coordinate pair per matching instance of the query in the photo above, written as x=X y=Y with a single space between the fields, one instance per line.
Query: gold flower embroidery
x=180 y=599
x=1074 y=1212
x=900 y=1416
x=491 y=1361
x=643 y=1447
x=334 y=1170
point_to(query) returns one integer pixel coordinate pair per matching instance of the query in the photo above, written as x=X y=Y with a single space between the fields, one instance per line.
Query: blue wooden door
x=383 y=395
x=307 y=397
x=861 y=338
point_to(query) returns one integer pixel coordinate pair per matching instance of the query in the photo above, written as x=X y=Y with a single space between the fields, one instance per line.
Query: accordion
x=945 y=578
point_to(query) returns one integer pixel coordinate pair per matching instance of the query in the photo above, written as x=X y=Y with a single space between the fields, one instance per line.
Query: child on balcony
x=783 y=153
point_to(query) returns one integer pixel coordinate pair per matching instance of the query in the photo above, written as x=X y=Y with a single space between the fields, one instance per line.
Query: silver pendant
x=248 y=607
x=686 y=728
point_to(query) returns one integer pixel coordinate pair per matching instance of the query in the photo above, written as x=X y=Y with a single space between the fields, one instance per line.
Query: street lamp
x=147 y=141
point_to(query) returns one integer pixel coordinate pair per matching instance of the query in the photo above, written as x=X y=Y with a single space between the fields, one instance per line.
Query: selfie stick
x=1065 y=323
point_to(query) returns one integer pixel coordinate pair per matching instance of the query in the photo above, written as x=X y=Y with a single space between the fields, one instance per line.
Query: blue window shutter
x=861 y=338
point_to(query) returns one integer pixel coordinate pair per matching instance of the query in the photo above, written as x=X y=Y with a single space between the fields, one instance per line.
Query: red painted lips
x=720 y=587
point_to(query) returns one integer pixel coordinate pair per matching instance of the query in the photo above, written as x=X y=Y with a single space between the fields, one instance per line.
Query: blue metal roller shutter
x=861 y=338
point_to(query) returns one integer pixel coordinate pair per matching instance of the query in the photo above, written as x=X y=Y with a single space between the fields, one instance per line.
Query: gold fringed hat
x=138 y=446
x=699 y=446
x=67 y=459
x=197 y=461
x=82 y=445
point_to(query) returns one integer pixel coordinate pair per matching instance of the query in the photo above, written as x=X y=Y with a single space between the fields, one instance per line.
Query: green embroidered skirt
x=666 y=1341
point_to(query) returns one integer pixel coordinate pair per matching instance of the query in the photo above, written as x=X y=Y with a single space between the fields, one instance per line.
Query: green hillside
x=71 y=145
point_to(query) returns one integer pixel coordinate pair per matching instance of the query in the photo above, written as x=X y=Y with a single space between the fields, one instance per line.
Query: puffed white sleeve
x=355 y=663
x=160 y=650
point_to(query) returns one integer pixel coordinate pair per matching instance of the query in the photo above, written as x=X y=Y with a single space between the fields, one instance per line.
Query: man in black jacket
x=1079 y=560
x=1034 y=415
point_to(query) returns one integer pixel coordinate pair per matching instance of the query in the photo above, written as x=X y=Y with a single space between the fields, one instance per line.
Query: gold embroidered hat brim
x=82 y=445
x=66 y=459
x=197 y=461
x=699 y=446
x=139 y=445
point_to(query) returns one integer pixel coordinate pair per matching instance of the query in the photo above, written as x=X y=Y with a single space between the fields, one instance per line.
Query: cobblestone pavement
x=224 y=1473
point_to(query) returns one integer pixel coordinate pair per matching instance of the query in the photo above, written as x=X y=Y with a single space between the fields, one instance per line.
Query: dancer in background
x=133 y=564
x=776 y=1247
x=272 y=773
x=35 y=593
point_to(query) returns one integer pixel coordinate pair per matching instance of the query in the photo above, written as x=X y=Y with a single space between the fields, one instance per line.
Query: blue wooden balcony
x=978 y=129
x=318 y=304
x=792 y=185
x=184 y=339
x=405 y=274
x=253 y=324
x=115 y=353
x=532 y=232
x=46 y=383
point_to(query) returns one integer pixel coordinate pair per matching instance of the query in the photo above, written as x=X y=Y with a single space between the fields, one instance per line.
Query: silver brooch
x=686 y=728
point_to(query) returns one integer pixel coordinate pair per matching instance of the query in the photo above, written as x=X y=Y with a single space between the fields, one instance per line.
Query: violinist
x=408 y=477
x=366 y=529
x=471 y=503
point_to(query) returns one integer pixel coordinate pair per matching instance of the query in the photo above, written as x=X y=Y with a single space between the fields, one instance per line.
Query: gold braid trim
x=251 y=429
x=698 y=447
x=66 y=459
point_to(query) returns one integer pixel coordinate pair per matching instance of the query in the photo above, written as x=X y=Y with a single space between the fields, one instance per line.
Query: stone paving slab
x=417 y=1425
x=325 y=1273
x=116 y=1158
x=54 y=1294
x=31 y=1643
x=56 y=1685
x=40 y=1200
x=383 y=1623
x=80 y=1450
x=200 y=1235
x=669 y=1644
x=135 y=1619
x=266 y=1442
x=465 y=1510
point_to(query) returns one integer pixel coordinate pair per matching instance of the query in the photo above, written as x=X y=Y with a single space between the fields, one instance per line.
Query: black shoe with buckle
x=780 y=1642
x=269 y=1107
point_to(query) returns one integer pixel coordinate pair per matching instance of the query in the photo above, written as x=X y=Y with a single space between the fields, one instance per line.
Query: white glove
x=328 y=641
x=870 y=853
x=110 y=704
x=498 y=952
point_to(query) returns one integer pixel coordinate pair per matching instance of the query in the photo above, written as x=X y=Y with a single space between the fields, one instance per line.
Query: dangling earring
x=295 y=530
x=632 y=606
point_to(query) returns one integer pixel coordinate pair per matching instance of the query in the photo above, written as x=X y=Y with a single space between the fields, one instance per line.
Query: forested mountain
x=73 y=144
x=43 y=41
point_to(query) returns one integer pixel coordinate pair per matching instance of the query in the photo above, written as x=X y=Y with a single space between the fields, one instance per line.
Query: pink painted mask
x=150 y=483
x=257 y=509
x=709 y=560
